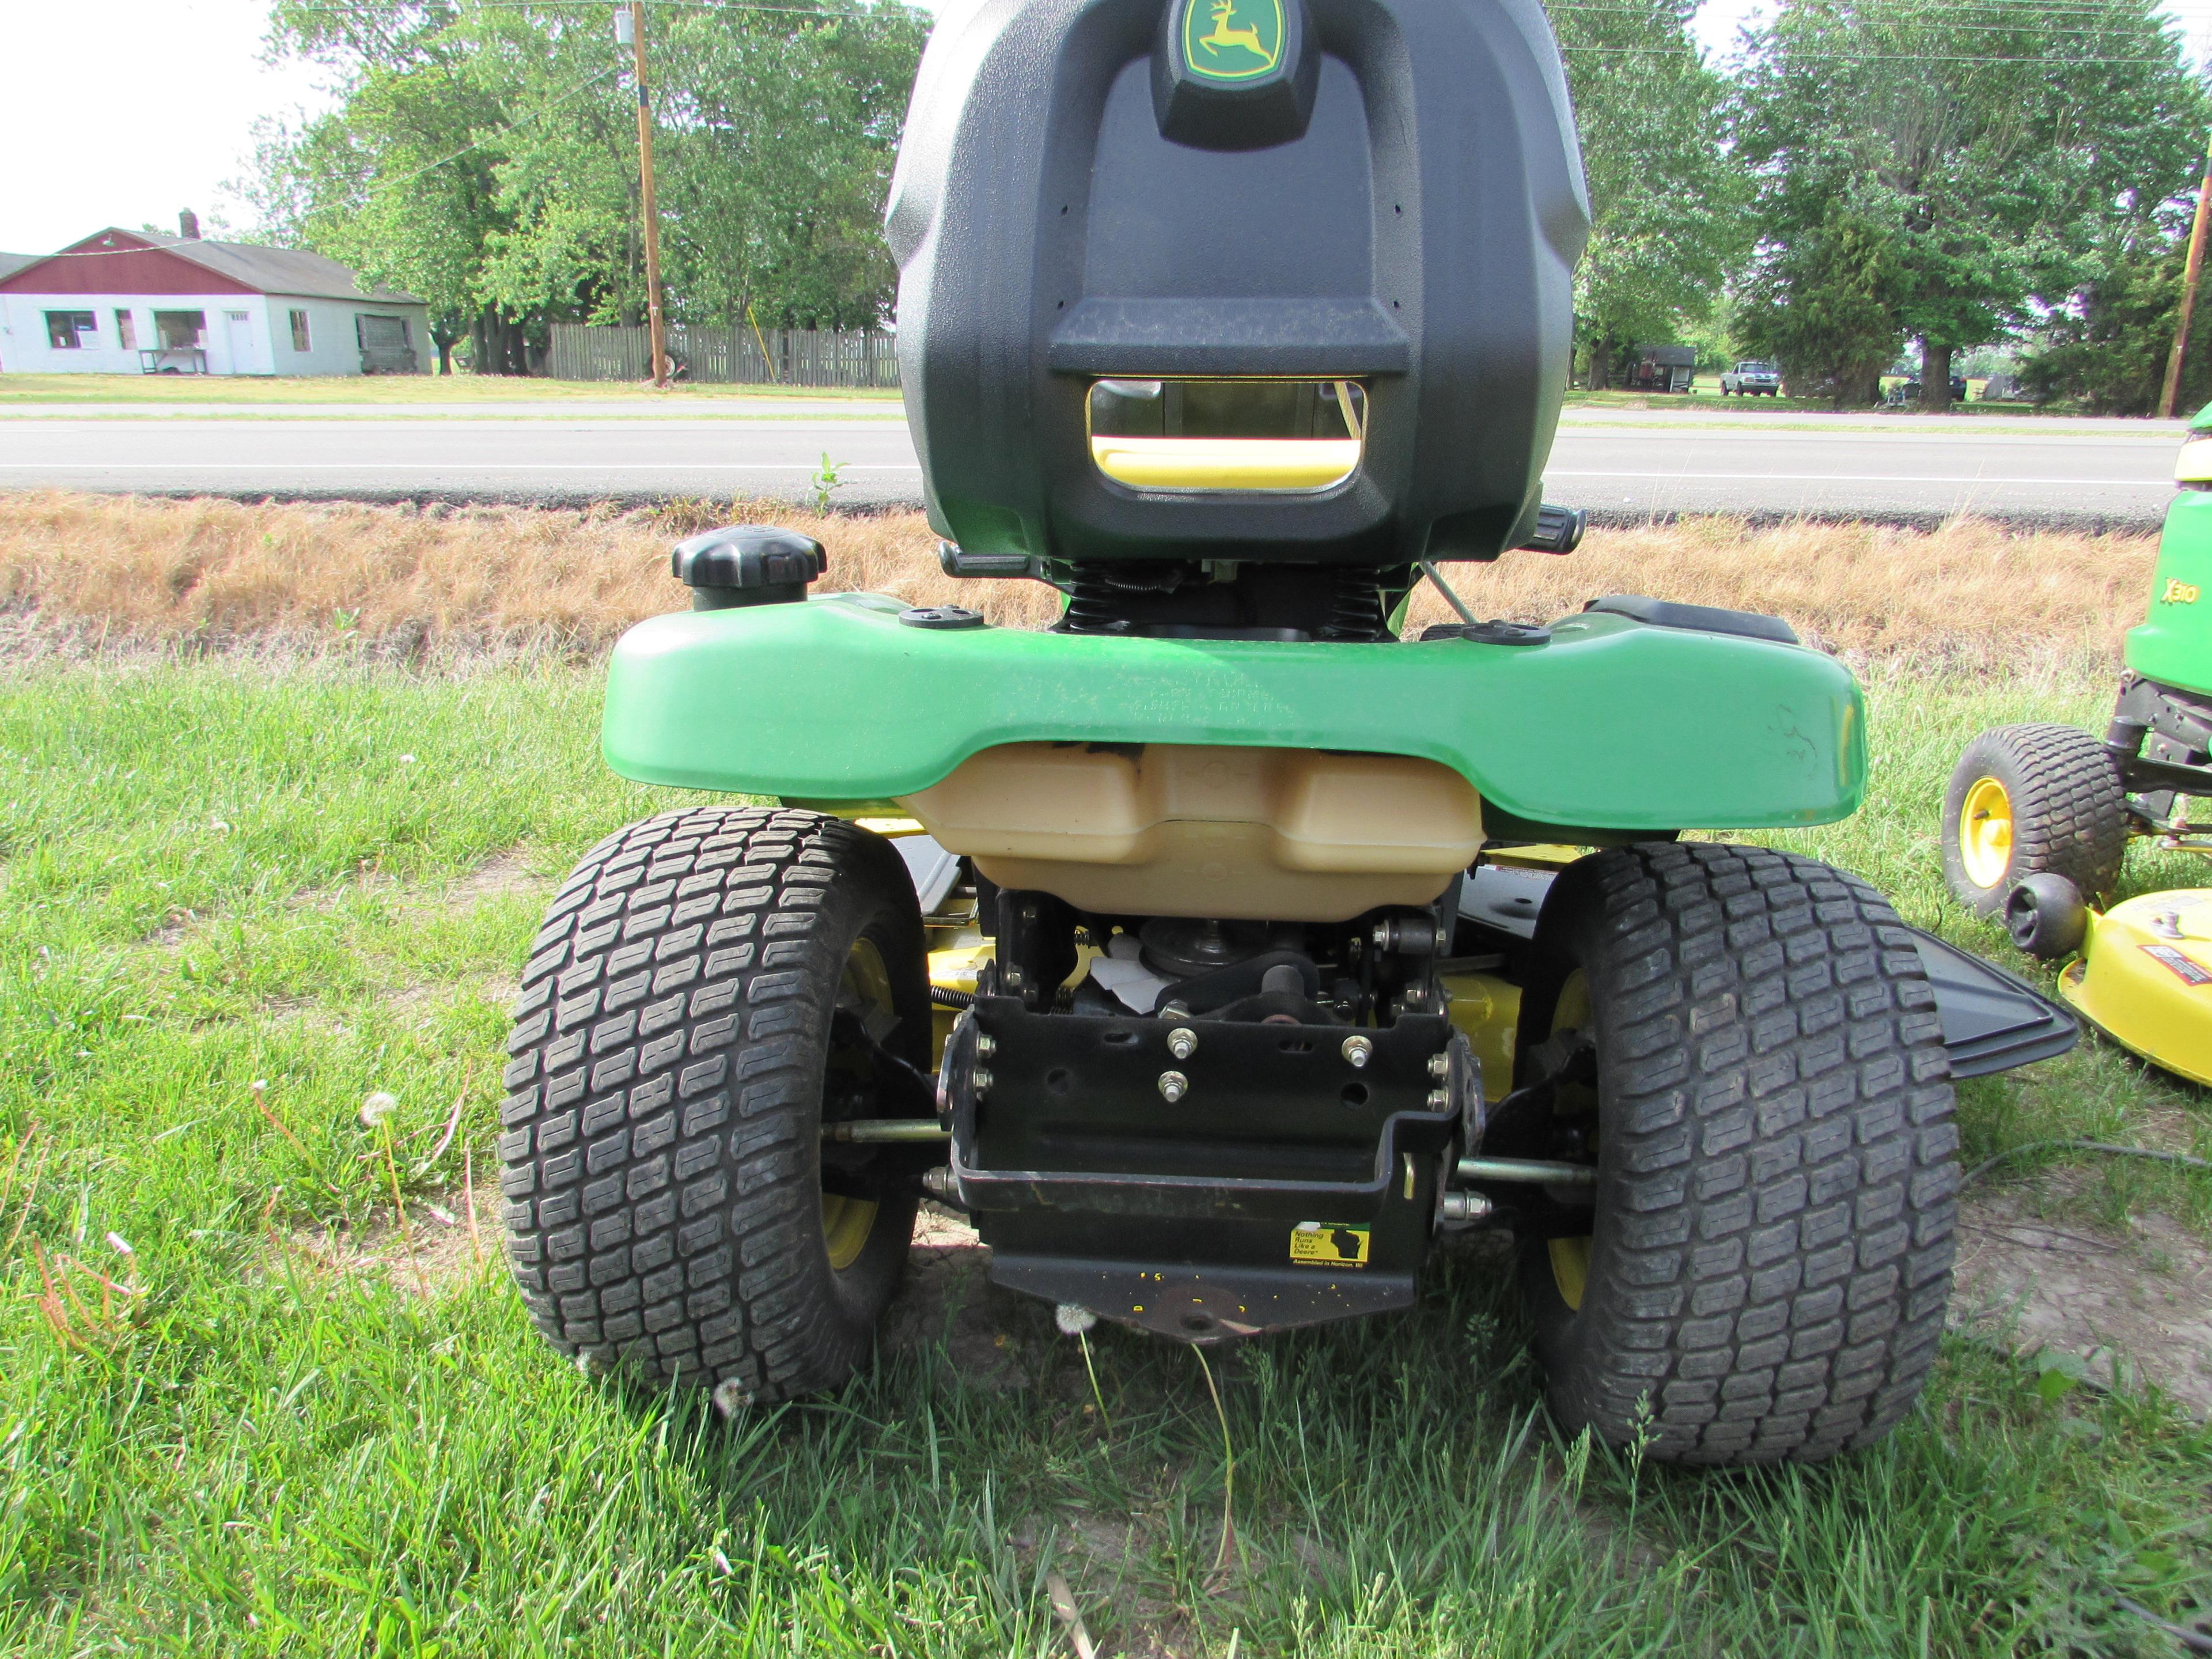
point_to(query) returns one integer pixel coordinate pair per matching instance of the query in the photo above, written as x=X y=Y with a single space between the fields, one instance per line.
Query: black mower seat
x=1216 y=283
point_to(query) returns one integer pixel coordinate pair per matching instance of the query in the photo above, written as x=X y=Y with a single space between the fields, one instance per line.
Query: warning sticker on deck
x=2188 y=972
x=1324 y=1244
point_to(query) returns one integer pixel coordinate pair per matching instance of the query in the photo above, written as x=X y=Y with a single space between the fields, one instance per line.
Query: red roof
x=119 y=262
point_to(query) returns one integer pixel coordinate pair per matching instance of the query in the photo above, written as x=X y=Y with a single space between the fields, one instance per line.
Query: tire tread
x=661 y=1203
x=1777 y=1165
x=2069 y=809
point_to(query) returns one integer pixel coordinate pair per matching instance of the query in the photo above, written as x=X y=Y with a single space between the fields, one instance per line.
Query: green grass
x=214 y=874
x=397 y=389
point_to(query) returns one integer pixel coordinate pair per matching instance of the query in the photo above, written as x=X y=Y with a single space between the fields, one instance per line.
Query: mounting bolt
x=1440 y=1065
x=1439 y=1100
x=1357 y=1050
x=1174 y=1085
x=1382 y=935
x=1183 y=1042
x=981 y=1082
x=1012 y=977
x=984 y=1045
x=1462 y=1207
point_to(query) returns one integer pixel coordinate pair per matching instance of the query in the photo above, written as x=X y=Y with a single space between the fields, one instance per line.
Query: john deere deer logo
x=1245 y=41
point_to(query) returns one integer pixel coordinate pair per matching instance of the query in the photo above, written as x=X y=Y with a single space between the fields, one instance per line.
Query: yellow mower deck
x=2144 y=978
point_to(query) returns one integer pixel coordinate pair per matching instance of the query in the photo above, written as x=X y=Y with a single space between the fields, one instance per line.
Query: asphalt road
x=1621 y=465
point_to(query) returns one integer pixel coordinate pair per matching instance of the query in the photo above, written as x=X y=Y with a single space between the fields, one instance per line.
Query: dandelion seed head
x=1073 y=1319
x=732 y=1396
x=377 y=1108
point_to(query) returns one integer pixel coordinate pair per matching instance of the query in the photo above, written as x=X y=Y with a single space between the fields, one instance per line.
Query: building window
x=126 y=329
x=300 y=330
x=180 y=331
x=71 y=331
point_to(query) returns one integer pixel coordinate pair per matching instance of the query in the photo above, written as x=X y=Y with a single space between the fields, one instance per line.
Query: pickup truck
x=1752 y=380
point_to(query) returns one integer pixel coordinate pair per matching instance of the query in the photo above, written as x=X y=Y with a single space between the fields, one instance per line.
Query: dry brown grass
x=142 y=572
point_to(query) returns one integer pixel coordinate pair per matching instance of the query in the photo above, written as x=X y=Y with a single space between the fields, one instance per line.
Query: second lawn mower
x=2037 y=817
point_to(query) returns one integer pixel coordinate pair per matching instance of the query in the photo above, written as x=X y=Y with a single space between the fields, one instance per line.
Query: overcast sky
x=121 y=112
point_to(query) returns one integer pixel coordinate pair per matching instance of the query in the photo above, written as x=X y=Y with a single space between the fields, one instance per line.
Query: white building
x=133 y=302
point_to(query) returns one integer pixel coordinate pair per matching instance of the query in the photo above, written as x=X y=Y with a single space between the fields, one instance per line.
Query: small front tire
x=2028 y=798
x=2045 y=916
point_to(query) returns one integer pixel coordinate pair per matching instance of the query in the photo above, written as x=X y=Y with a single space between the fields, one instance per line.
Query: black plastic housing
x=1416 y=231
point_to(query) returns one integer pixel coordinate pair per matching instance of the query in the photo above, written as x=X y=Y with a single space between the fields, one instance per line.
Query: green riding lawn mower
x=1217 y=950
x=2037 y=817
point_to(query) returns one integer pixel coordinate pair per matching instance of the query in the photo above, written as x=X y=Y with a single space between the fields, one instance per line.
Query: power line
x=2050 y=60
x=538 y=114
x=1955 y=17
x=1999 y=7
x=1956 y=25
x=862 y=15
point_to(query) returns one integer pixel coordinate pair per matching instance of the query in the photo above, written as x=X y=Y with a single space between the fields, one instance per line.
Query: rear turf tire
x=1769 y=1253
x=2025 y=800
x=675 y=1042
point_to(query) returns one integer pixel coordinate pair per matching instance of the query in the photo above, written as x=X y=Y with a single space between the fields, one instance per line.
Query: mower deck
x=2144 y=977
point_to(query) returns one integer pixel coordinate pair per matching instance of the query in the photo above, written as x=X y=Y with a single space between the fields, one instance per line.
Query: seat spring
x=1091 y=607
x=1355 y=607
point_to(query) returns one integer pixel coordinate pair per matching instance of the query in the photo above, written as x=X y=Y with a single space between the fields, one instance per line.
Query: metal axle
x=1542 y=1172
x=886 y=1128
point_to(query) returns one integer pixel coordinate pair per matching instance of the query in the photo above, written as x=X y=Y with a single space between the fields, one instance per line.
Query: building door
x=239 y=327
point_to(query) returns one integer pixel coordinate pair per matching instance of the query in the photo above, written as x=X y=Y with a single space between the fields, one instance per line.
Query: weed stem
x=1228 y=1469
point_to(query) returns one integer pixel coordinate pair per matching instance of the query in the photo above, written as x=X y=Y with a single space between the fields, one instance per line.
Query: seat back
x=1236 y=280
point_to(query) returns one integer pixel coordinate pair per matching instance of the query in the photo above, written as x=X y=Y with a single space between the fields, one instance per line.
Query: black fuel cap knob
x=747 y=564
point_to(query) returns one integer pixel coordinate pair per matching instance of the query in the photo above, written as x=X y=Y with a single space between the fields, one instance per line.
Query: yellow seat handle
x=1281 y=464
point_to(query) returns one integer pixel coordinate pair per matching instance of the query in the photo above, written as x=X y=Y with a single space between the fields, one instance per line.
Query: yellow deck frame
x=2138 y=979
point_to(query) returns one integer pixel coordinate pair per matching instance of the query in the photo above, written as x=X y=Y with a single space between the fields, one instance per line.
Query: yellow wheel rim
x=1985 y=832
x=1570 y=1268
x=846 y=1225
x=865 y=988
x=1570 y=1257
x=1572 y=1011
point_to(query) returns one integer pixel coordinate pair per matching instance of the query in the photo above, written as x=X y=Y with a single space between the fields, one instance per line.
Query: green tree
x=1820 y=302
x=1935 y=168
x=484 y=156
x=1668 y=203
x=2107 y=348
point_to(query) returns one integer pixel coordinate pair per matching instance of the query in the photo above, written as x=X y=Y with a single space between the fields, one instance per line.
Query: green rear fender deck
x=2172 y=645
x=1612 y=724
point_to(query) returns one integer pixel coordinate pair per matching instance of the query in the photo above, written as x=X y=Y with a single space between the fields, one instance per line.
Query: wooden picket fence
x=795 y=356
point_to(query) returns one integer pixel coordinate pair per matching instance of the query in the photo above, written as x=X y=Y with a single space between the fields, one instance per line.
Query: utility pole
x=632 y=14
x=2172 y=392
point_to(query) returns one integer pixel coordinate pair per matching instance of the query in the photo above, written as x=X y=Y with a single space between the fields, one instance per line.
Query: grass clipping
x=139 y=571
